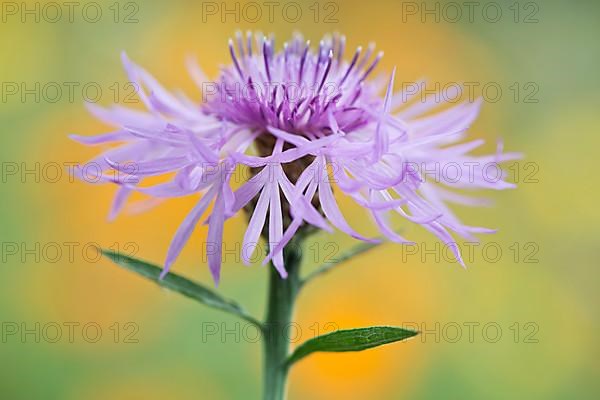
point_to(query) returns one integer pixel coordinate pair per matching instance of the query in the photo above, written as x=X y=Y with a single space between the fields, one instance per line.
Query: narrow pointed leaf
x=180 y=285
x=351 y=340
x=353 y=252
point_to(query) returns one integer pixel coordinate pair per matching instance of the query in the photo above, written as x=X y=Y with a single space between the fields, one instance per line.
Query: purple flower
x=301 y=120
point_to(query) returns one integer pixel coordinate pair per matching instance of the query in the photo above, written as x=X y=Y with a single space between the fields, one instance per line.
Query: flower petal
x=186 y=229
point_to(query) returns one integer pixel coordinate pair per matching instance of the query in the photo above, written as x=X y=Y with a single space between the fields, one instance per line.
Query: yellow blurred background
x=520 y=324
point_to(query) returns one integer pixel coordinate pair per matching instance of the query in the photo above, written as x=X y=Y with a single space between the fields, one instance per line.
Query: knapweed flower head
x=302 y=119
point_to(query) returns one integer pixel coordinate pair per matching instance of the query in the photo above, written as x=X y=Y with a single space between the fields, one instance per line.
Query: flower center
x=298 y=90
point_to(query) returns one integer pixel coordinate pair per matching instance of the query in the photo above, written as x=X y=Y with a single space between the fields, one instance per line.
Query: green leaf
x=353 y=252
x=180 y=285
x=351 y=340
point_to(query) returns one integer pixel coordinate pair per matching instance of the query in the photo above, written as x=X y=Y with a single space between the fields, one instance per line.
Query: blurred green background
x=533 y=309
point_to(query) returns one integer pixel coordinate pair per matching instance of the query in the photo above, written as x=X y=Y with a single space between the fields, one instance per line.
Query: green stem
x=280 y=308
